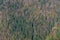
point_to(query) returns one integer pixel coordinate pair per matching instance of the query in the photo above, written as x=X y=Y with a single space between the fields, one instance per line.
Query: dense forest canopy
x=29 y=19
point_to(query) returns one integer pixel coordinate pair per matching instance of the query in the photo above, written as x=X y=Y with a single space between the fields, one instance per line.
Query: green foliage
x=31 y=22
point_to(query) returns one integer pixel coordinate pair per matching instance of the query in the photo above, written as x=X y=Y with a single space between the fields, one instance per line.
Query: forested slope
x=29 y=19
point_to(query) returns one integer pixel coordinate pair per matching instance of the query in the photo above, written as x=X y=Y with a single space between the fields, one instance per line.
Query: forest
x=29 y=19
